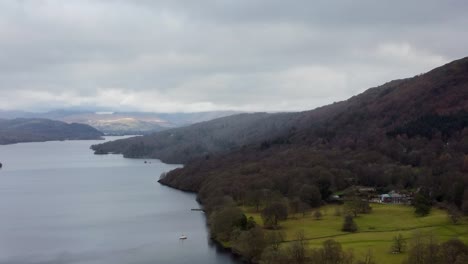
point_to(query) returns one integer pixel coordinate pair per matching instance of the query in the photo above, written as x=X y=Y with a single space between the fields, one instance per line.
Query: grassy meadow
x=375 y=230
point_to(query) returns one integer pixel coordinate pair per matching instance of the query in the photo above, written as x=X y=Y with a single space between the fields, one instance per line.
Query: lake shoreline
x=219 y=246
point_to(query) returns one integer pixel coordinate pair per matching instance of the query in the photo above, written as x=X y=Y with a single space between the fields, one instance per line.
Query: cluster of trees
x=268 y=247
x=273 y=213
x=298 y=252
x=228 y=221
x=356 y=205
x=424 y=249
x=264 y=244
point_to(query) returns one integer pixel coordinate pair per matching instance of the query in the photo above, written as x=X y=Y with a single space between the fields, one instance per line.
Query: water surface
x=59 y=203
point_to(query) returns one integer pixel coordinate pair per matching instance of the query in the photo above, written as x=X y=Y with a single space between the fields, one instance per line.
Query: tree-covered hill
x=221 y=135
x=37 y=130
x=385 y=110
x=409 y=135
x=406 y=134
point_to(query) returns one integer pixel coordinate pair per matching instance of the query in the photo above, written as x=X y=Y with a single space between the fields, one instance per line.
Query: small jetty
x=197 y=209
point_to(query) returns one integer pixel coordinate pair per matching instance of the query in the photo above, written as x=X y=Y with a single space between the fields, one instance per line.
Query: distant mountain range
x=122 y=123
x=38 y=130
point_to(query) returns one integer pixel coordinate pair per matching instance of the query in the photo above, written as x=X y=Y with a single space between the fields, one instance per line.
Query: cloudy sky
x=252 y=55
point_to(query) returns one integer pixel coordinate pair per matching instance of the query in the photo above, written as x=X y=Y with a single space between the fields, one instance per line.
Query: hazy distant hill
x=37 y=130
x=179 y=145
x=122 y=123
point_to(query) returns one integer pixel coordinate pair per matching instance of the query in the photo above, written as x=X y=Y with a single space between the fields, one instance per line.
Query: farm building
x=395 y=198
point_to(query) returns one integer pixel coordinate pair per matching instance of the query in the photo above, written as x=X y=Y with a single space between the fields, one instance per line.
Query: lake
x=59 y=203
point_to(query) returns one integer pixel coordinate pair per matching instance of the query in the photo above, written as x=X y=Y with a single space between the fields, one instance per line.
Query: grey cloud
x=208 y=55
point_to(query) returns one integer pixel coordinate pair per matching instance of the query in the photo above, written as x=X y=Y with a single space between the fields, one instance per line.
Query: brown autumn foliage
x=407 y=133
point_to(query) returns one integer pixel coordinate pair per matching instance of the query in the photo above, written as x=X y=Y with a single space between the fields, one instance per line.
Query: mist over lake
x=59 y=203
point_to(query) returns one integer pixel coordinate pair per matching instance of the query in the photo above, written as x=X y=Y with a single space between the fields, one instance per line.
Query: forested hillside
x=36 y=130
x=221 y=135
x=409 y=135
x=406 y=134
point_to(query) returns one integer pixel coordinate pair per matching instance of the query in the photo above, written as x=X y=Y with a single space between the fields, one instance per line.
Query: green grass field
x=376 y=230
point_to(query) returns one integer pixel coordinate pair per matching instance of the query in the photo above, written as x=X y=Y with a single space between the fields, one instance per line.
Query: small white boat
x=182 y=237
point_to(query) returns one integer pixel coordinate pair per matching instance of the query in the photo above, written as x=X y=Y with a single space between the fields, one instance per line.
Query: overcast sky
x=268 y=55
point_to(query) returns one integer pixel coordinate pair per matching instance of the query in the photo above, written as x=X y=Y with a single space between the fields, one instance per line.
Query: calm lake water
x=59 y=203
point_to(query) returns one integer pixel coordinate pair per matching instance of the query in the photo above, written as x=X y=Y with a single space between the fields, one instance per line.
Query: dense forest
x=408 y=134
x=37 y=130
